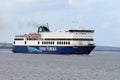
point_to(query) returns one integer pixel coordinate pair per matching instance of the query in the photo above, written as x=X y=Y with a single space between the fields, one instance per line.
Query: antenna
x=76 y=23
x=47 y=25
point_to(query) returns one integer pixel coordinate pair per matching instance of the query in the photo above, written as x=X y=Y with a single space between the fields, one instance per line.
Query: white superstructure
x=72 y=37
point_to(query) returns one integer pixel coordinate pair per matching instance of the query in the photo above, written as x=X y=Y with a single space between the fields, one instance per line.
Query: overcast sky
x=24 y=16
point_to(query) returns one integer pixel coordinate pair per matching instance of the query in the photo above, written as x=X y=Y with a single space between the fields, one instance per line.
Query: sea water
x=96 y=66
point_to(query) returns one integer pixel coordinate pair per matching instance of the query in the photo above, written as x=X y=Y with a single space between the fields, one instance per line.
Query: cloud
x=70 y=2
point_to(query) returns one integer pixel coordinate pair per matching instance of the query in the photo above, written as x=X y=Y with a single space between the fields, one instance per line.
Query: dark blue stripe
x=58 y=50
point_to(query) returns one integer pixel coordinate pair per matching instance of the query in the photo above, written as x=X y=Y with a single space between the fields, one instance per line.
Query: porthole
x=64 y=43
x=14 y=42
x=53 y=42
x=25 y=42
x=69 y=43
x=38 y=42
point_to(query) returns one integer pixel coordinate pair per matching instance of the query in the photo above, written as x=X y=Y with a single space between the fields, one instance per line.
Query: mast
x=47 y=25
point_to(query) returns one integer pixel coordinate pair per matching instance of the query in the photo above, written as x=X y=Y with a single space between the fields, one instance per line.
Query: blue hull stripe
x=53 y=49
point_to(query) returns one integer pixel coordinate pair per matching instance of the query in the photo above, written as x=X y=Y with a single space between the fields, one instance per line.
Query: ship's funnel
x=43 y=29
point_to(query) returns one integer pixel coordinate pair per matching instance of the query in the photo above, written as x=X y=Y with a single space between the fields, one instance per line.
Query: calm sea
x=96 y=66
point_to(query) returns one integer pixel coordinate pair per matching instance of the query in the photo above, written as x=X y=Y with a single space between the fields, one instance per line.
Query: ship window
x=38 y=42
x=48 y=42
x=69 y=43
x=64 y=43
x=53 y=42
x=14 y=42
x=58 y=42
x=25 y=42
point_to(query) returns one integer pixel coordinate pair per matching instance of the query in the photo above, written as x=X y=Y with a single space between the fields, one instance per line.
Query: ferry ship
x=44 y=41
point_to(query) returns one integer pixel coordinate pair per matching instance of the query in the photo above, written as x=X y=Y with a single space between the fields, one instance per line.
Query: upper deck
x=45 y=37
